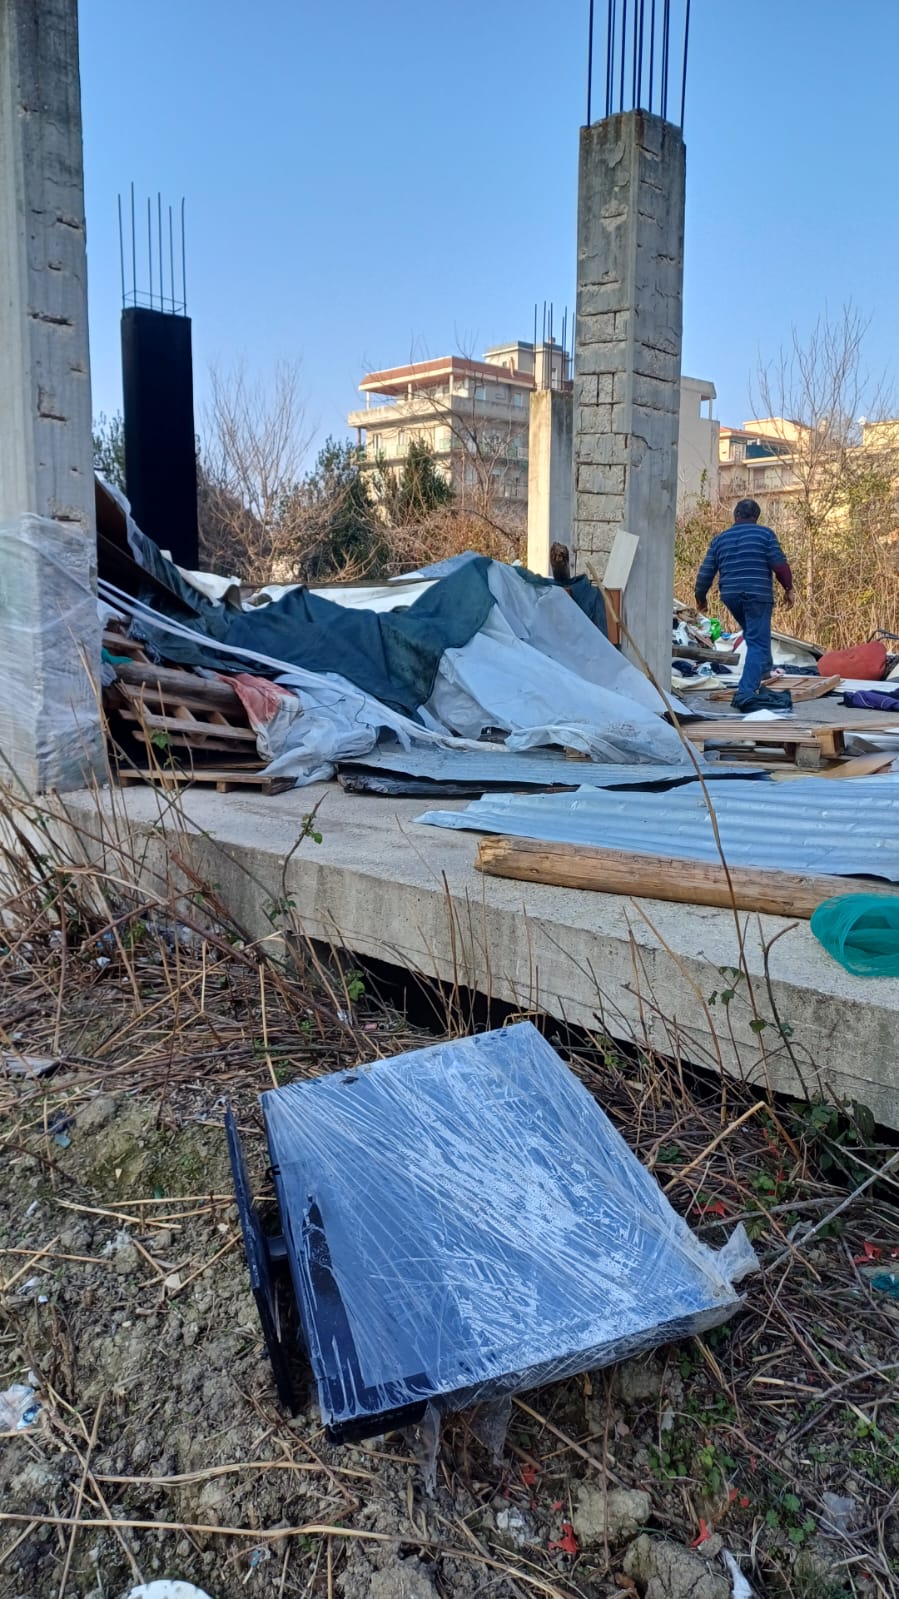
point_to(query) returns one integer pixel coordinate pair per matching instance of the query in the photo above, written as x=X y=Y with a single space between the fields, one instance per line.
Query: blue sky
x=379 y=180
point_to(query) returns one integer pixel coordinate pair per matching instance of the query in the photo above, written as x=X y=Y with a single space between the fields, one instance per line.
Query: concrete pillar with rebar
x=627 y=360
x=50 y=734
x=549 y=475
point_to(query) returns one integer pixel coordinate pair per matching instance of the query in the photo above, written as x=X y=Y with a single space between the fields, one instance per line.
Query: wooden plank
x=695 y=652
x=172 y=678
x=120 y=644
x=159 y=699
x=853 y=766
x=686 y=882
x=862 y=765
x=200 y=746
x=621 y=559
x=181 y=724
x=223 y=781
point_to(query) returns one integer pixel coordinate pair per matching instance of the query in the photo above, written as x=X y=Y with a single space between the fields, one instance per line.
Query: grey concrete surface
x=382 y=885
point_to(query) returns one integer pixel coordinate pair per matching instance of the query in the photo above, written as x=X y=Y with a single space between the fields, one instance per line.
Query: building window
x=517 y=397
x=480 y=392
x=737 y=450
x=401 y=439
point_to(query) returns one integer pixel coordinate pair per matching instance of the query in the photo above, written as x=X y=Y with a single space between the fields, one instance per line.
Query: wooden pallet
x=799 y=688
x=806 y=746
x=169 y=707
x=223 y=781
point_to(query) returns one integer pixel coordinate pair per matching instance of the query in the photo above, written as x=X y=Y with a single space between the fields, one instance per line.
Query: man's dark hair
x=747 y=511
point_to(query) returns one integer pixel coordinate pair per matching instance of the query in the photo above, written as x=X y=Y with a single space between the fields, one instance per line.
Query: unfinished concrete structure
x=49 y=634
x=383 y=886
x=549 y=474
x=627 y=360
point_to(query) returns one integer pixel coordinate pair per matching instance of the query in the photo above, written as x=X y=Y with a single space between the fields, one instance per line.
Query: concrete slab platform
x=383 y=886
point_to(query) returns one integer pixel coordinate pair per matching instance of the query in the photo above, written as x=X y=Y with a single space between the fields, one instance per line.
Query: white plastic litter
x=18 y=1408
x=29 y=1065
x=167 y=1588
x=741 y=1588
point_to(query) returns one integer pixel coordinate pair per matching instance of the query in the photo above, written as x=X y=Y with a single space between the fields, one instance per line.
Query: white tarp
x=538 y=669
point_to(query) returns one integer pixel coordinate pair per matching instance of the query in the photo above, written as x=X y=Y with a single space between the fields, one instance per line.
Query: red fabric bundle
x=866 y=661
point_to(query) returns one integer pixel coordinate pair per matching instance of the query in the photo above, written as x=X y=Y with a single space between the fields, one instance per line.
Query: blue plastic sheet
x=464 y=1222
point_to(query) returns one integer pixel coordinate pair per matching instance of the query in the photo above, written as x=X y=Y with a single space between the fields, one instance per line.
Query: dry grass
x=138 y=981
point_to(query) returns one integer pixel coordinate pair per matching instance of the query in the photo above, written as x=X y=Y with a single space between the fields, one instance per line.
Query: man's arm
x=780 y=566
x=707 y=574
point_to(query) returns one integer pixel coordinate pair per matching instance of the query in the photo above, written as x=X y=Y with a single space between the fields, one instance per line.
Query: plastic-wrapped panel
x=464 y=1222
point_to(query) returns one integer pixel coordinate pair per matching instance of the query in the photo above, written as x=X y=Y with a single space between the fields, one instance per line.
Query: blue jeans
x=754 y=618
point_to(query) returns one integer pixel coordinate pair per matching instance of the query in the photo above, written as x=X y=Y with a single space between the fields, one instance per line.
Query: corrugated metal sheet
x=812 y=826
x=535 y=767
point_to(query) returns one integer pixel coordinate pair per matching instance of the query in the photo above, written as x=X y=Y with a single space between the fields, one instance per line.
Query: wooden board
x=223 y=781
x=685 y=882
x=166 y=702
x=188 y=724
x=241 y=755
x=120 y=644
x=853 y=766
x=621 y=559
x=162 y=679
x=696 y=652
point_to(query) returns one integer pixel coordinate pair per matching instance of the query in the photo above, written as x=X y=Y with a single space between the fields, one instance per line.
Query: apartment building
x=472 y=415
x=756 y=461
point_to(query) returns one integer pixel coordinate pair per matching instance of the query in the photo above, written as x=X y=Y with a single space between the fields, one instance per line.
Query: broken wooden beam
x=687 y=882
x=696 y=652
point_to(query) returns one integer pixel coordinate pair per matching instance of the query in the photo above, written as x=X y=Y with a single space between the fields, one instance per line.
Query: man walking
x=743 y=559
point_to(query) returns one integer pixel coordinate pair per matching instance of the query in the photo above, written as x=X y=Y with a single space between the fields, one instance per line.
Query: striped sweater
x=743 y=558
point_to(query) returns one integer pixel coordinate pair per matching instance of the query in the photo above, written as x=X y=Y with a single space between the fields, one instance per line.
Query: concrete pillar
x=549 y=475
x=627 y=360
x=50 y=733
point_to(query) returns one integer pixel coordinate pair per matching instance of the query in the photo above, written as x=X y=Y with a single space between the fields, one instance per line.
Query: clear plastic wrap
x=50 y=643
x=464 y=1222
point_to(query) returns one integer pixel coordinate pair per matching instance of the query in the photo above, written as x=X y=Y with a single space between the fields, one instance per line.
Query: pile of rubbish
x=473 y=655
x=705 y=655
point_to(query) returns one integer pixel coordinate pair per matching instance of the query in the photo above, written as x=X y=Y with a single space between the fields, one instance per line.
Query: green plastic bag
x=861 y=931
